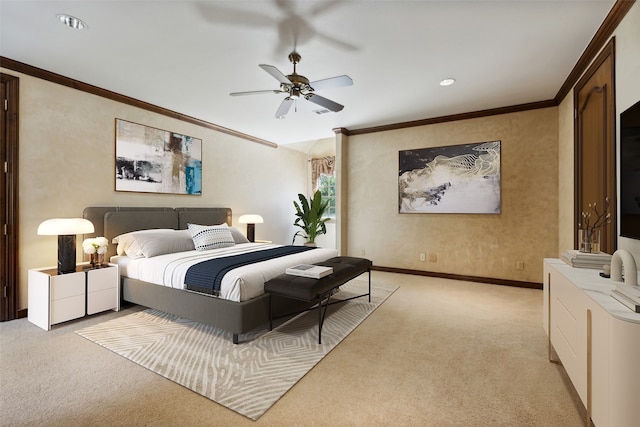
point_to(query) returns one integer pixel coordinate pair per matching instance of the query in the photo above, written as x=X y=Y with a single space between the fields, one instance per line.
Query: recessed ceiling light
x=72 y=22
x=447 y=82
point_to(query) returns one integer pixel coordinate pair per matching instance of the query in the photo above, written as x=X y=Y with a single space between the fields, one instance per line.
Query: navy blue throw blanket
x=206 y=276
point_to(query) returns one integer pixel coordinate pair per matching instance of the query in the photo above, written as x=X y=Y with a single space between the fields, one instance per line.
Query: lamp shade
x=250 y=219
x=65 y=226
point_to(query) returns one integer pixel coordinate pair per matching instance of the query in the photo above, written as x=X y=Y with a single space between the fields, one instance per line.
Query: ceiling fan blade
x=324 y=6
x=220 y=15
x=284 y=107
x=337 y=81
x=337 y=43
x=324 y=102
x=255 y=92
x=277 y=74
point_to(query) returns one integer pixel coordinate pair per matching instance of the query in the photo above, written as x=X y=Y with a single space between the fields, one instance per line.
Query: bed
x=236 y=317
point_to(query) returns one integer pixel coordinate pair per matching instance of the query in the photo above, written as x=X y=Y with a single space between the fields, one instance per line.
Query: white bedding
x=240 y=284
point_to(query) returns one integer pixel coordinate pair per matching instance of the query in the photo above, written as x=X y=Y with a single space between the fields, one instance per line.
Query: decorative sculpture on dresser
x=622 y=258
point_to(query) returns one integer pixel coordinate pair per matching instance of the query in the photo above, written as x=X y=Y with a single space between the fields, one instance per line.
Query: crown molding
x=32 y=71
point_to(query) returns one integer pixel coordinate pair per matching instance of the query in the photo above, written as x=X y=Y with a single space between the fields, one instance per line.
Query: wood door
x=595 y=168
x=9 y=199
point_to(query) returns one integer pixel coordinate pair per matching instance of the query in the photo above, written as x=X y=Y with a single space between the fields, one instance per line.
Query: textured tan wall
x=67 y=163
x=477 y=245
x=566 y=175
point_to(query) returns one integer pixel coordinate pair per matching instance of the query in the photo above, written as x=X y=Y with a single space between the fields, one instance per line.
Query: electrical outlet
x=433 y=257
x=422 y=257
x=520 y=265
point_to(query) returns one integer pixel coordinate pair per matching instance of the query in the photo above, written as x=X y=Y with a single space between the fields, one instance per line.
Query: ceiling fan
x=298 y=86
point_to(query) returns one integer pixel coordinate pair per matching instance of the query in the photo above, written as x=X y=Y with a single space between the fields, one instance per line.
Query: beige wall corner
x=342 y=187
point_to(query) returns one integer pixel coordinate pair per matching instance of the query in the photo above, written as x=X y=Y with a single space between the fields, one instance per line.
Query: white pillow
x=154 y=244
x=130 y=244
x=238 y=237
x=211 y=237
x=125 y=241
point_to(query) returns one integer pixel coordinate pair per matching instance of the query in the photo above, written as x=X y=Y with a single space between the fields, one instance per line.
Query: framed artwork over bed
x=451 y=179
x=151 y=160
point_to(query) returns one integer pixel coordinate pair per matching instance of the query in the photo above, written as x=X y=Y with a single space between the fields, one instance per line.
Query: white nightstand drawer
x=67 y=309
x=102 y=278
x=106 y=299
x=67 y=285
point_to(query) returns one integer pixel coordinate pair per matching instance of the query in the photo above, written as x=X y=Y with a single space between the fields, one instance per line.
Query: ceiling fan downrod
x=294 y=57
x=300 y=83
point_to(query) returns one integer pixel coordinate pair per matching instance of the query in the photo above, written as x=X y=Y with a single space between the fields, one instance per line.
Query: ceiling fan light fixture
x=447 y=82
x=72 y=22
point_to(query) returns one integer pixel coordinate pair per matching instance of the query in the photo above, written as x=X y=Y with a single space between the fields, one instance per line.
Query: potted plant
x=309 y=217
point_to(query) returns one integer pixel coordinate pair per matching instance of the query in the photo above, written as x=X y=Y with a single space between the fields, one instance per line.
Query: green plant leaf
x=309 y=216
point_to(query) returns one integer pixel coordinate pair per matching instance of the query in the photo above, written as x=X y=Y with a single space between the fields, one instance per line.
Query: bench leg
x=235 y=339
x=320 y=320
x=369 y=285
x=322 y=314
x=270 y=312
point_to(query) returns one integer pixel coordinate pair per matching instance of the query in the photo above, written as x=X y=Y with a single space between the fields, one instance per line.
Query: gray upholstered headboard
x=111 y=221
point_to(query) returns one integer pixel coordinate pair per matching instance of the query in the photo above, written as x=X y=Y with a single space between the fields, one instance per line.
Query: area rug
x=248 y=377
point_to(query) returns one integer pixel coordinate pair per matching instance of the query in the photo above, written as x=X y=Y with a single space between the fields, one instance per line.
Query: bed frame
x=233 y=317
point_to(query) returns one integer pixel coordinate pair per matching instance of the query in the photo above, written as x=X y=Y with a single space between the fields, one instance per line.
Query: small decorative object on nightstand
x=251 y=220
x=96 y=248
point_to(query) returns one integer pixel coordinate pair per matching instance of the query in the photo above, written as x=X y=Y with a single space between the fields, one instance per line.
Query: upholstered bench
x=319 y=290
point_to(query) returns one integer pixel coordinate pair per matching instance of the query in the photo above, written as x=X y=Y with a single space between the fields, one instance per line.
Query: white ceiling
x=188 y=56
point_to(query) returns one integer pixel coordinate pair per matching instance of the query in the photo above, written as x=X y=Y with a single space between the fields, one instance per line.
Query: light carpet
x=249 y=377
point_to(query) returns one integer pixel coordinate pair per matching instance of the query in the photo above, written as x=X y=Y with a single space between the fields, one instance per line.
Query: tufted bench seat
x=319 y=290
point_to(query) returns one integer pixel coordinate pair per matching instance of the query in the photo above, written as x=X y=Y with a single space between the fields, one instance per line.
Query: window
x=323 y=178
x=327 y=187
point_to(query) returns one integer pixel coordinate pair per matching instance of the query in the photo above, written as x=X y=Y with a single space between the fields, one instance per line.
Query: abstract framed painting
x=151 y=160
x=451 y=179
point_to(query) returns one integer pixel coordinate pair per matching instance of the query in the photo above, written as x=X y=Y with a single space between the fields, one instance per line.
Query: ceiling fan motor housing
x=298 y=86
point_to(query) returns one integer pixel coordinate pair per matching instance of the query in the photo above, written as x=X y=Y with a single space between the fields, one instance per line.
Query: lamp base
x=251 y=232
x=66 y=254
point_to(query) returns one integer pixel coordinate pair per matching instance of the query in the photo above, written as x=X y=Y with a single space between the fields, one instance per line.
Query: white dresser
x=597 y=340
x=56 y=298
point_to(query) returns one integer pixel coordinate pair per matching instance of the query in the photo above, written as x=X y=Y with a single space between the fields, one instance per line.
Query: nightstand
x=56 y=298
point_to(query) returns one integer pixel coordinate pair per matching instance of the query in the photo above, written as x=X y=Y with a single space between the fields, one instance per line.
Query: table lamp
x=251 y=220
x=66 y=230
